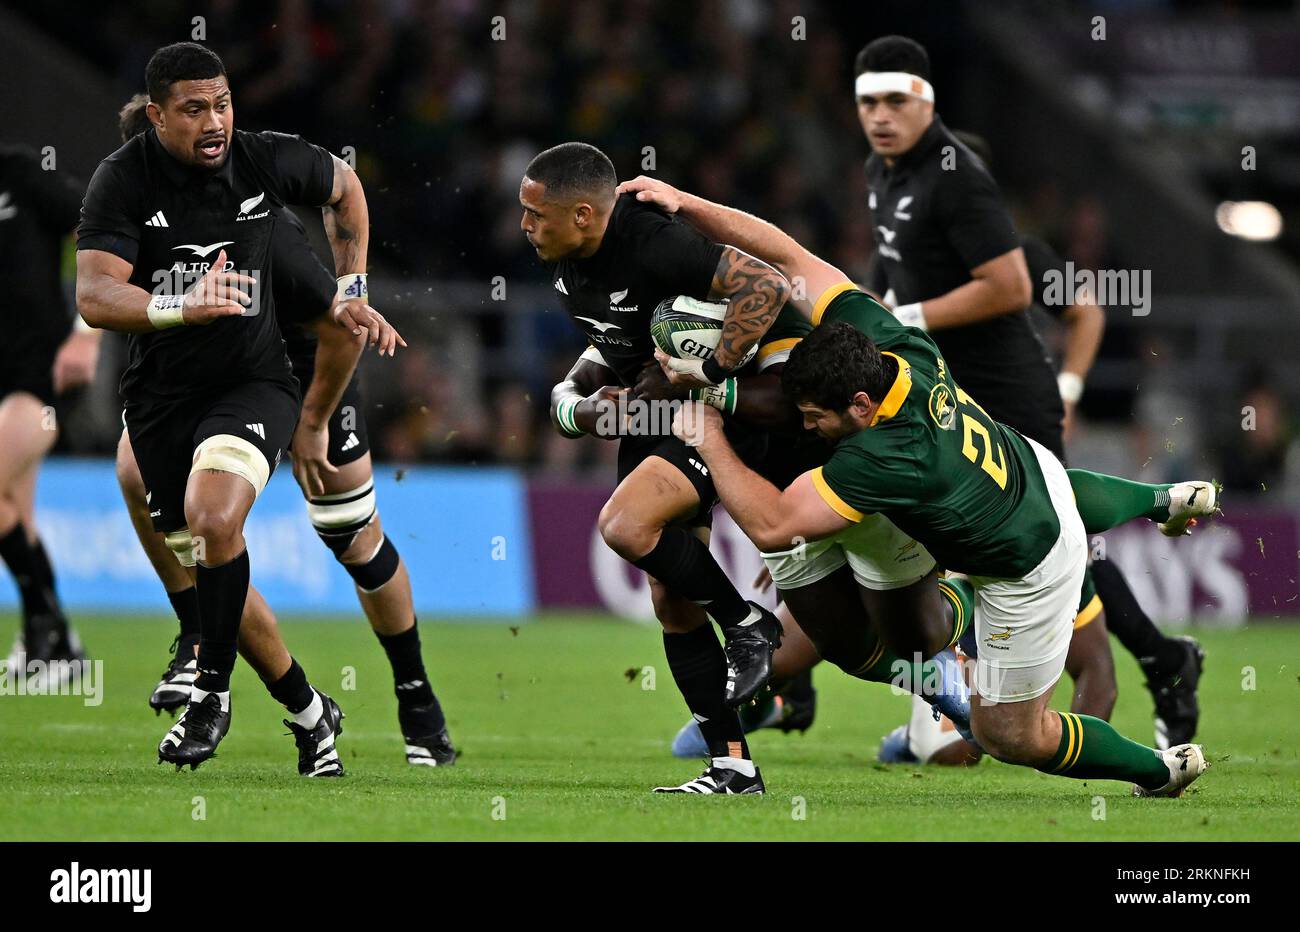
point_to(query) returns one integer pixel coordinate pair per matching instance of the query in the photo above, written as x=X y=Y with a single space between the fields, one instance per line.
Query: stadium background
x=1117 y=150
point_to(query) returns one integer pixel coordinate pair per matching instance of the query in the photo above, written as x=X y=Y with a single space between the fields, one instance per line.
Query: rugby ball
x=687 y=328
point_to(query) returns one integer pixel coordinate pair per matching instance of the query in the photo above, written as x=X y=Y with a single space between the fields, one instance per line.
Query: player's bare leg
x=637 y=522
x=1092 y=668
x=30 y=432
x=355 y=535
x=173 y=689
x=1028 y=732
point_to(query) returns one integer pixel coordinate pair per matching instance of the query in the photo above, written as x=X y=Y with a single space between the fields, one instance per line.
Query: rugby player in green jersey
x=983 y=500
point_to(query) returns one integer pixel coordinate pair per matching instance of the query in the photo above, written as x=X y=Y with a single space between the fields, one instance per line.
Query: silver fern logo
x=247 y=206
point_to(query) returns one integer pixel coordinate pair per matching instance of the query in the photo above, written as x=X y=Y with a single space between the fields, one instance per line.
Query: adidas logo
x=157 y=220
x=351 y=442
x=559 y=286
x=257 y=429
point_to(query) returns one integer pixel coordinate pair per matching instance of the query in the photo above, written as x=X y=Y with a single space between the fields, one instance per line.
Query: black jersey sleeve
x=1043 y=262
x=305 y=172
x=109 y=220
x=974 y=218
x=304 y=288
x=675 y=254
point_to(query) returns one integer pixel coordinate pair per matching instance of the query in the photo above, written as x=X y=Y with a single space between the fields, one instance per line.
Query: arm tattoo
x=343 y=240
x=757 y=292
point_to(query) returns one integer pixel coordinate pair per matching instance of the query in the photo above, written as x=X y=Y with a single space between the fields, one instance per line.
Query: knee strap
x=228 y=453
x=181 y=544
x=340 y=517
x=375 y=573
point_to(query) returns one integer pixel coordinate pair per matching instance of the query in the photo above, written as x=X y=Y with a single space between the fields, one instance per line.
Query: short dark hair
x=573 y=169
x=893 y=53
x=180 y=61
x=977 y=144
x=832 y=364
x=132 y=120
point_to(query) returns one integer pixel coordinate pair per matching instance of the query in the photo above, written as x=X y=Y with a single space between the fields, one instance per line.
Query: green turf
x=557 y=739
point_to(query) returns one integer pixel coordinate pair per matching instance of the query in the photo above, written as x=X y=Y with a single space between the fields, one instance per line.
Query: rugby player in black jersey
x=331 y=461
x=612 y=261
x=949 y=261
x=168 y=223
x=40 y=359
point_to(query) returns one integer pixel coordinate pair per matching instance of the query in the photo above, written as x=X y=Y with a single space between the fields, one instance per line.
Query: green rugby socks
x=1092 y=748
x=1106 y=501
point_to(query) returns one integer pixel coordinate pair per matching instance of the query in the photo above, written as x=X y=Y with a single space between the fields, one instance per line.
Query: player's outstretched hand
x=358 y=317
x=310 y=451
x=653 y=191
x=75 y=363
x=216 y=294
x=685 y=373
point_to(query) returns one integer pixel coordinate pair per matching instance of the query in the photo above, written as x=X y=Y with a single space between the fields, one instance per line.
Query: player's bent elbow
x=772 y=538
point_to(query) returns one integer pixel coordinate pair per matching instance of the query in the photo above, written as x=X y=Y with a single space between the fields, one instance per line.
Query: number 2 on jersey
x=995 y=466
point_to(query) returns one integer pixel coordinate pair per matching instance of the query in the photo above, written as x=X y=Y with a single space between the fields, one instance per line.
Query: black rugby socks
x=682 y=562
x=222 y=591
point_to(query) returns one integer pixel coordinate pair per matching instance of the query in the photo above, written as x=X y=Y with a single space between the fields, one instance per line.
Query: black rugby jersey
x=37 y=210
x=645 y=256
x=936 y=214
x=304 y=290
x=170 y=221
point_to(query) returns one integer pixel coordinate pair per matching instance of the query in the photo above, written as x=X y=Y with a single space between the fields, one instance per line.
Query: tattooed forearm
x=347 y=221
x=756 y=292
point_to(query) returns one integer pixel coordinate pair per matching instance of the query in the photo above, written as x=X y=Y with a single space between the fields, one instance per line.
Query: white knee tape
x=182 y=545
x=228 y=453
x=343 y=511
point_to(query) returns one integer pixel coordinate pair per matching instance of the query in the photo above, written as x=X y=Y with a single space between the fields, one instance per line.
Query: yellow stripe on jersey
x=897 y=392
x=776 y=346
x=1088 y=614
x=838 y=505
x=827 y=296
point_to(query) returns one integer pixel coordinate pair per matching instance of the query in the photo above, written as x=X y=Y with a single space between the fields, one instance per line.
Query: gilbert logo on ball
x=687 y=328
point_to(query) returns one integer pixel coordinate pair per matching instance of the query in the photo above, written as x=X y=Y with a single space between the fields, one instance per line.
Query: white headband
x=874 y=83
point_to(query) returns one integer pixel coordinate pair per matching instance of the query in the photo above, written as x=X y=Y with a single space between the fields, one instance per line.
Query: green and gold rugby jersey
x=968 y=488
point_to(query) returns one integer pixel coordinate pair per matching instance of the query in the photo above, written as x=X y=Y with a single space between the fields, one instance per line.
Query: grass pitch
x=561 y=741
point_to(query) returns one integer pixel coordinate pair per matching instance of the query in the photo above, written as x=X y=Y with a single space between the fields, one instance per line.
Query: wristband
x=1071 y=387
x=723 y=397
x=564 y=417
x=166 y=310
x=353 y=286
x=713 y=371
x=910 y=315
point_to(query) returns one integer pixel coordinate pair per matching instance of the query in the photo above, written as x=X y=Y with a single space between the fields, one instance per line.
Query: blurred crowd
x=443 y=106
